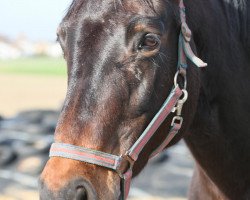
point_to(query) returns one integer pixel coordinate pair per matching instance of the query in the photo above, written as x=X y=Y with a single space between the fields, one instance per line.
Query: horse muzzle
x=77 y=189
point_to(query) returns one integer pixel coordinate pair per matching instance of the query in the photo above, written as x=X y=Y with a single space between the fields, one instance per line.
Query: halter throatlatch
x=123 y=164
x=185 y=36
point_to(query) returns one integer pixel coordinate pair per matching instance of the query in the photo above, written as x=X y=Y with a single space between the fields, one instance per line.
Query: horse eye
x=150 y=42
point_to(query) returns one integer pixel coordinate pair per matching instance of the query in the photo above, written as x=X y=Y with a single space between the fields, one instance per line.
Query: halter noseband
x=123 y=164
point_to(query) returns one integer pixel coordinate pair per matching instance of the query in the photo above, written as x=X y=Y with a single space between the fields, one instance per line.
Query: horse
x=122 y=57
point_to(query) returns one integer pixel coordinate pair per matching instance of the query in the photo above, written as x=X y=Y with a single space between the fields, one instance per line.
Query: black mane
x=238 y=17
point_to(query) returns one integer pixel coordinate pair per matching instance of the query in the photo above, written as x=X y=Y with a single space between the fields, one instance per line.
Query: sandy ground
x=25 y=92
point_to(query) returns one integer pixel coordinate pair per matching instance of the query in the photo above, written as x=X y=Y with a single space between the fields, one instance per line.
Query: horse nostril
x=81 y=193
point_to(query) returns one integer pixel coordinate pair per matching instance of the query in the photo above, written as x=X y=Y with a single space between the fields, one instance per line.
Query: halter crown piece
x=123 y=164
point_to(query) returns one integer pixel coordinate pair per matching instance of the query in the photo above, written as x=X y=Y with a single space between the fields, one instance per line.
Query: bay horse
x=122 y=57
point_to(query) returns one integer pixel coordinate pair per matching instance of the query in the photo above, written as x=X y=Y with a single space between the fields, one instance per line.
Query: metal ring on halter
x=183 y=76
x=180 y=103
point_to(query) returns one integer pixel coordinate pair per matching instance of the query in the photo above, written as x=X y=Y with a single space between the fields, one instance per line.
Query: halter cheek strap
x=123 y=164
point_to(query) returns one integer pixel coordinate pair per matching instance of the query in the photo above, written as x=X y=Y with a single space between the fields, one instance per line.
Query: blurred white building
x=8 y=50
x=22 y=47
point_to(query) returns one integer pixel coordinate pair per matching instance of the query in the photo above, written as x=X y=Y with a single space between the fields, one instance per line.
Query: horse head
x=121 y=58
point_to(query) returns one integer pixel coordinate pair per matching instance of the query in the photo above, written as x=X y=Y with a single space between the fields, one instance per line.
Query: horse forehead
x=101 y=9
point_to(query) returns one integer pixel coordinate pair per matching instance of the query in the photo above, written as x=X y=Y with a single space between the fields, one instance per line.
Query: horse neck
x=220 y=134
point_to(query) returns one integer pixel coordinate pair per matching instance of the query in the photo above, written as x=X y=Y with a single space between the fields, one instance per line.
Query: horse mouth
x=77 y=189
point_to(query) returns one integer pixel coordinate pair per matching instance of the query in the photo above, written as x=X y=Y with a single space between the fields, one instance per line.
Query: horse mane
x=239 y=20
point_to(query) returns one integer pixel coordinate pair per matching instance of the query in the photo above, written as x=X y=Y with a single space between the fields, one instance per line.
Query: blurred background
x=32 y=89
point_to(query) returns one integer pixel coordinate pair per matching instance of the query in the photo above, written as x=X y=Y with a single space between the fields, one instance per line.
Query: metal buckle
x=180 y=103
x=177 y=120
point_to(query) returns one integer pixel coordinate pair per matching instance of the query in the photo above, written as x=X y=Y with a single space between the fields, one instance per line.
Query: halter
x=123 y=164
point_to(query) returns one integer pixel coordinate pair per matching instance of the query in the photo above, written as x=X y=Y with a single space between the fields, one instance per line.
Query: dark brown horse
x=122 y=57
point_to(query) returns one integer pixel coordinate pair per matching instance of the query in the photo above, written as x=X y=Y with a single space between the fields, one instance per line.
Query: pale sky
x=38 y=19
